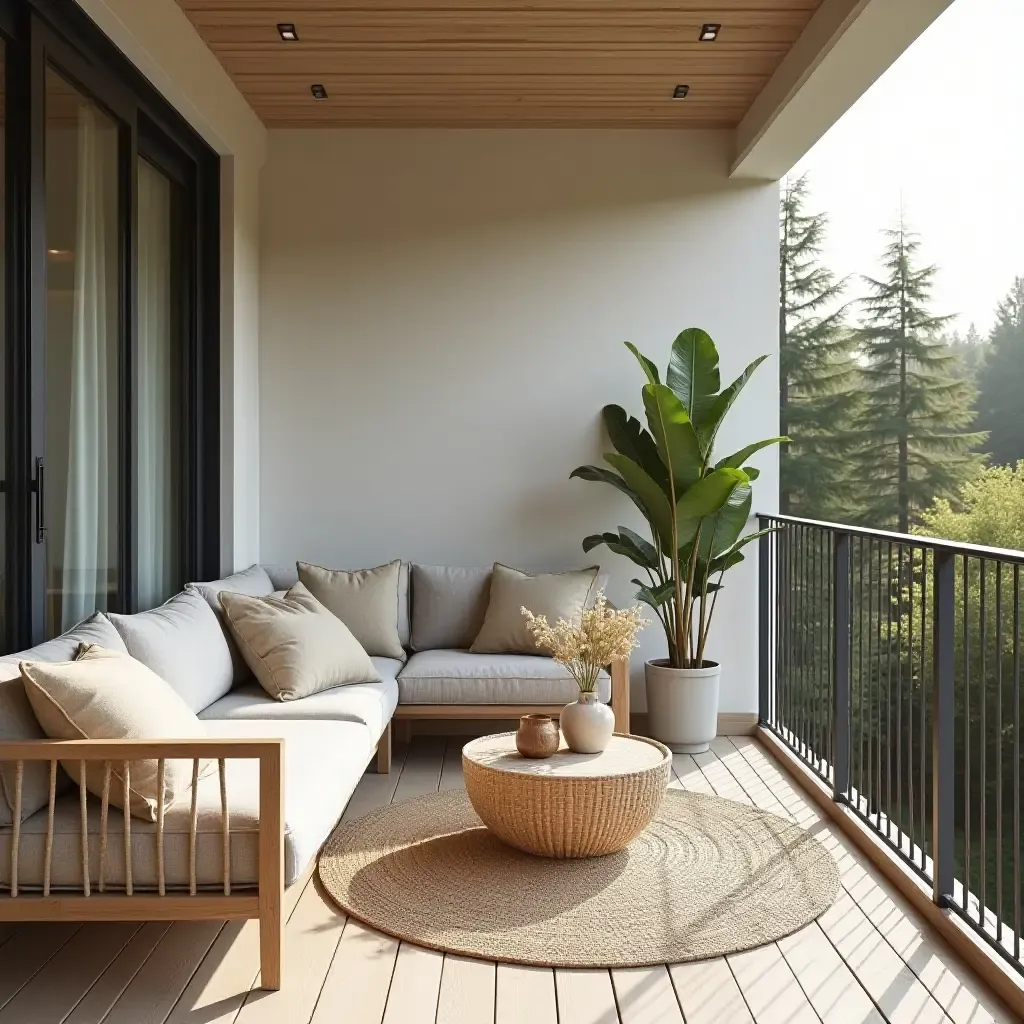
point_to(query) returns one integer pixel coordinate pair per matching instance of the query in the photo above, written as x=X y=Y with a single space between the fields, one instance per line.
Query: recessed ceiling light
x=318 y=91
x=286 y=30
x=680 y=92
x=709 y=32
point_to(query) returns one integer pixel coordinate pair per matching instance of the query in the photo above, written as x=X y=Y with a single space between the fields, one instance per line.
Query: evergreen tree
x=1001 y=381
x=816 y=367
x=970 y=350
x=916 y=424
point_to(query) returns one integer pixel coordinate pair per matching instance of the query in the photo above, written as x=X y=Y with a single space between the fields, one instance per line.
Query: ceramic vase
x=537 y=736
x=587 y=724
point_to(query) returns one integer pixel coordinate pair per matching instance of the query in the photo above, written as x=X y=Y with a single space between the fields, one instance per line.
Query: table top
x=624 y=755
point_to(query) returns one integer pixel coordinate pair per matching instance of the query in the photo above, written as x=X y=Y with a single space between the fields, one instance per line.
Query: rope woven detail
x=708 y=877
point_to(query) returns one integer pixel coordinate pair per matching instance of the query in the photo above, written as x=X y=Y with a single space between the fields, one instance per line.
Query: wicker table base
x=568 y=805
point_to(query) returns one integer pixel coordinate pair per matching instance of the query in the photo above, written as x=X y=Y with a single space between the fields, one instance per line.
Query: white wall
x=442 y=318
x=162 y=43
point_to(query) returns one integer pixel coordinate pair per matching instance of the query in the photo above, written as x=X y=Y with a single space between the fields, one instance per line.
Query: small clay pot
x=537 y=736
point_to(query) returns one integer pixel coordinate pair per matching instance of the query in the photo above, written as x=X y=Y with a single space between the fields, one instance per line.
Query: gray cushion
x=373 y=704
x=462 y=677
x=448 y=605
x=286 y=576
x=18 y=721
x=182 y=642
x=253 y=581
x=323 y=762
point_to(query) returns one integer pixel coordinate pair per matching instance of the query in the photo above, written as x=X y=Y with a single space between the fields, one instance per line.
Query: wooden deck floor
x=869 y=958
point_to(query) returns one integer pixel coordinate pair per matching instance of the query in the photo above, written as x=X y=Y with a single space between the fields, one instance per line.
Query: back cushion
x=183 y=643
x=253 y=581
x=18 y=720
x=448 y=605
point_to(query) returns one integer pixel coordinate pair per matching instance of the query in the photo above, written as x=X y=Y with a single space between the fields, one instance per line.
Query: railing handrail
x=906 y=539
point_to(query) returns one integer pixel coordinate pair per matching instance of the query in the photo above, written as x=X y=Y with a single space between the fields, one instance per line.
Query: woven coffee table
x=567 y=805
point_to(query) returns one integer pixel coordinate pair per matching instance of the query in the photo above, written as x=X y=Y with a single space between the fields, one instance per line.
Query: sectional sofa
x=271 y=779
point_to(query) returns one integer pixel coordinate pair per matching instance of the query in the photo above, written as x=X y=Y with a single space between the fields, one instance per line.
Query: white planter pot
x=682 y=705
x=587 y=724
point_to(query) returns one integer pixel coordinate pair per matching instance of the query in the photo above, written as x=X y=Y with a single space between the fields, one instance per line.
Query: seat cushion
x=463 y=677
x=323 y=762
x=372 y=704
x=449 y=603
x=183 y=643
x=18 y=721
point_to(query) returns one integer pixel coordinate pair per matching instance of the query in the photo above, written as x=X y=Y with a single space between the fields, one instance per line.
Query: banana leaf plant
x=697 y=508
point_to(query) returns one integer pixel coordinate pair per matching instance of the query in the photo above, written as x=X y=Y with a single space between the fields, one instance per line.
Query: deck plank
x=708 y=993
x=525 y=995
x=357 y=983
x=645 y=996
x=770 y=988
x=375 y=790
x=70 y=973
x=467 y=990
x=585 y=997
x=451 y=769
x=414 y=986
x=421 y=772
x=36 y=944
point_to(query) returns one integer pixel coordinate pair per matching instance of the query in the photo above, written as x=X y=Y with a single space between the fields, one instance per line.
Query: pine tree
x=970 y=351
x=817 y=370
x=916 y=424
x=1001 y=381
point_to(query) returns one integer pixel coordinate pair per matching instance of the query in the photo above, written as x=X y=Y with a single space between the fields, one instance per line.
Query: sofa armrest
x=267 y=905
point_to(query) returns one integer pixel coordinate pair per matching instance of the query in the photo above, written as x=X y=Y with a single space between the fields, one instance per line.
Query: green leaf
x=629 y=438
x=655 y=596
x=738 y=458
x=651 y=497
x=648 y=367
x=693 y=374
x=752 y=472
x=674 y=435
x=645 y=547
x=720 y=531
x=709 y=425
x=708 y=495
x=642 y=554
x=601 y=475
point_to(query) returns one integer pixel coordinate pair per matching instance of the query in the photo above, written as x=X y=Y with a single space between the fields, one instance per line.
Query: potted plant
x=696 y=508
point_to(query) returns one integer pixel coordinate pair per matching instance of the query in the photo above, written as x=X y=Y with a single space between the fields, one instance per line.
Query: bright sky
x=943 y=129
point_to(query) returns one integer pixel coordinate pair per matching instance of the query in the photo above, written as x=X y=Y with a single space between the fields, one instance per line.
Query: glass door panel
x=3 y=360
x=159 y=550
x=78 y=481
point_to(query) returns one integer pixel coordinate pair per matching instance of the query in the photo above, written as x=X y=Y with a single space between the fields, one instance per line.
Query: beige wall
x=157 y=37
x=442 y=319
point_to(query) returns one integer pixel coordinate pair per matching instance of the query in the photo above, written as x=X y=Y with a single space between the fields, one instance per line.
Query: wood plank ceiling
x=525 y=63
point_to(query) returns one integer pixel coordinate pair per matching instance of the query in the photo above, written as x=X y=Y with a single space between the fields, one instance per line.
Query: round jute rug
x=707 y=877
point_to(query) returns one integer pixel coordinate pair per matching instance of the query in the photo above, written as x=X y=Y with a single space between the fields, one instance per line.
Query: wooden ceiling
x=526 y=63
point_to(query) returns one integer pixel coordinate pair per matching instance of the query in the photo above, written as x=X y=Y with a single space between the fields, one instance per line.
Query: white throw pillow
x=294 y=645
x=106 y=695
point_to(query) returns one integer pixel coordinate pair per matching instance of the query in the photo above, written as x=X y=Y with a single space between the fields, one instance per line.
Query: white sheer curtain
x=88 y=555
x=157 y=533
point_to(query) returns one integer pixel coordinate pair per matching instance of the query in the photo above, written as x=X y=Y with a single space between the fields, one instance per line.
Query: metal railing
x=890 y=665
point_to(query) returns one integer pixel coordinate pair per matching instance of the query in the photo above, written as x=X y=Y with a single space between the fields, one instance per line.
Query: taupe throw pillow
x=106 y=695
x=366 y=600
x=557 y=595
x=294 y=645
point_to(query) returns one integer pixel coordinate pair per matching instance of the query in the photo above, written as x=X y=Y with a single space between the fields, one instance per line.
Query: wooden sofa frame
x=96 y=903
x=406 y=714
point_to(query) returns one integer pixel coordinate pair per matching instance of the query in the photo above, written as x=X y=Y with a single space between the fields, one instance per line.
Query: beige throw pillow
x=107 y=695
x=557 y=595
x=365 y=600
x=294 y=645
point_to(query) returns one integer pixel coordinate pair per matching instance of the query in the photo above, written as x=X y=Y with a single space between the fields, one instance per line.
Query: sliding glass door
x=109 y=318
x=77 y=476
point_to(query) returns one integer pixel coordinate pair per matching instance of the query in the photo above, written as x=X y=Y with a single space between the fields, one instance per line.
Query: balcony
x=871 y=957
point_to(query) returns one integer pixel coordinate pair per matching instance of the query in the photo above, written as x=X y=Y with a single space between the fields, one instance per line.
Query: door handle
x=39 y=486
